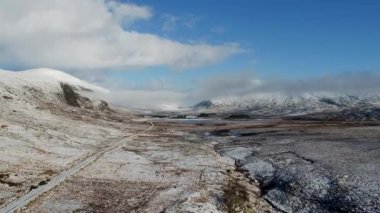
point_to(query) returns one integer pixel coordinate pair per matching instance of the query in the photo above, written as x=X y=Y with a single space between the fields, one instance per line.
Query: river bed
x=302 y=166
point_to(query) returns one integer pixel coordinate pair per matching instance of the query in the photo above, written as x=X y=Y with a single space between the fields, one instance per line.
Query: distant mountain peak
x=272 y=104
x=205 y=104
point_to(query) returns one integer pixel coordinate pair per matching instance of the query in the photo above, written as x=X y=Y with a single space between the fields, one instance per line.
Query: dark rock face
x=7 y=97
x=85 y=102
x=103 y=106
x=70 y=96
x=74 y=99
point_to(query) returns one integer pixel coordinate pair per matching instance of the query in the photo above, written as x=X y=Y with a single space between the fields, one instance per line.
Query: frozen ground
x=162 y=170
x=41 y=135
x=305 y=166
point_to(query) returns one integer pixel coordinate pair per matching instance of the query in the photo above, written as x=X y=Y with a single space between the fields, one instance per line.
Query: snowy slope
x=40 y=134
x=33 y=113
x=44 y=76
x=24 y=85
x=277 y=103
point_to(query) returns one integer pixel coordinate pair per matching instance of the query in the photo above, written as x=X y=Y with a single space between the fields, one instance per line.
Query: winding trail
x=33 y=194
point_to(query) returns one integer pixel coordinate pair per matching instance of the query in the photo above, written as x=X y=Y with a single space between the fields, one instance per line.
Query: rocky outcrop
x=76 y=100
x=85 y=102
x=7 y=97
x=103 y=106
x=69 y=95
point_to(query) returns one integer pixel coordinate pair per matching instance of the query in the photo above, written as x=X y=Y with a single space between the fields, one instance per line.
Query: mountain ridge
x=281 y=104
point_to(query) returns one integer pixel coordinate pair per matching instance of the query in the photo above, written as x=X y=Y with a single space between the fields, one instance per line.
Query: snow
x=45 y=77
x=37 y=132
x=41 y=136
x=274 y=103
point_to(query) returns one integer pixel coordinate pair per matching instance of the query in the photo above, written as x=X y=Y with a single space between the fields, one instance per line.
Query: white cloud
x=162 y=95
x=88 y=34
x=240 y=84
x=231 y=84
x=129 y=12
x=170 y=22
x=144 y=99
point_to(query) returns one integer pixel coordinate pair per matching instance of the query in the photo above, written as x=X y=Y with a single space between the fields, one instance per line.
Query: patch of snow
x=45 y=76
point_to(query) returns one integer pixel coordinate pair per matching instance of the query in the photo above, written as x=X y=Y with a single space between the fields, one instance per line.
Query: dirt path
x=33 y=194
x=163 y=170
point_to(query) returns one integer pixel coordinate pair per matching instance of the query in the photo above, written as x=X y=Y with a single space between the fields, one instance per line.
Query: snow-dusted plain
x=159 y=170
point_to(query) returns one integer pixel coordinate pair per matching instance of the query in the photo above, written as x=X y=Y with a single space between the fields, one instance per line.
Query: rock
x=85 y=102
x=70 y=96
x=7 y=97
x=103 y=106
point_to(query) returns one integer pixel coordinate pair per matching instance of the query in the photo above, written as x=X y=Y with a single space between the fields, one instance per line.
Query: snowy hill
x=280 y=104
x=44 y=77
x=42 y=84
x=41 y=134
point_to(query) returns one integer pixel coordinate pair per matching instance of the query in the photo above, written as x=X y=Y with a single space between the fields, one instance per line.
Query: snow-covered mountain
x=41 y=84
x=47 y=125
x=284 y=104
x=44 y=77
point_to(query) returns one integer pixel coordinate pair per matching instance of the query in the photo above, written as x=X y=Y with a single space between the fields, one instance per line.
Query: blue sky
x=290 y=39
x=177 y=52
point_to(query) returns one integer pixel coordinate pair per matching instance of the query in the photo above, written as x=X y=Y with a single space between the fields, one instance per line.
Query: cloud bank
x=346 y=83
x=244 y=84
x=92 y=35
x=165 y=100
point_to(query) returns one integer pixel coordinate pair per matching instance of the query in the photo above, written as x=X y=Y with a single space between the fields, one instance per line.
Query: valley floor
x=160 y=170
x=303 y=166
x=94 y=159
